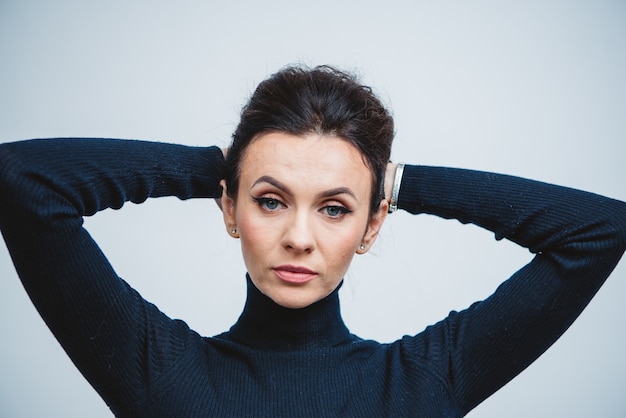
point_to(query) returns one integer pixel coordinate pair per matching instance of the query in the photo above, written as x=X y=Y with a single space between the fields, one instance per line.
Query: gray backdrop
x=531 y=88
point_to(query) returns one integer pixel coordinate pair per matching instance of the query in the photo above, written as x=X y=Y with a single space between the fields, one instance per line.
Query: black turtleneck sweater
x=277 y=361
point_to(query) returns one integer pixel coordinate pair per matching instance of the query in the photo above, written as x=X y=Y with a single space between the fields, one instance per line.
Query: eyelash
x=264 y=201
x=341 y=209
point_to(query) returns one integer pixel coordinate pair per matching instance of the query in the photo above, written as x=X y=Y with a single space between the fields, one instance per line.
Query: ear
x=228 y=210
x=374 y=225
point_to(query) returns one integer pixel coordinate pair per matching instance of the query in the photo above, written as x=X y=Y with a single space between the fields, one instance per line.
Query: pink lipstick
x=294 y=274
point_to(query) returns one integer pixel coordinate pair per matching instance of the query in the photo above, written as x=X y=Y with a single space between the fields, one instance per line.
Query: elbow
x=11 y=174
x=616 y=224
x=23 y=186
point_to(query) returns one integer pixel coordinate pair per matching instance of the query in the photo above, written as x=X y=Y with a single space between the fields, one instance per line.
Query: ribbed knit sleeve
x=120 y=342
x=577 y=239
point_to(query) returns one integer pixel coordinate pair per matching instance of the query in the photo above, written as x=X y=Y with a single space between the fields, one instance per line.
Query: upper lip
x=294 y=269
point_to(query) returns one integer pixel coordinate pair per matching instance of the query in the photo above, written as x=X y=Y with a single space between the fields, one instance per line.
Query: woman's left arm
x=577 y=238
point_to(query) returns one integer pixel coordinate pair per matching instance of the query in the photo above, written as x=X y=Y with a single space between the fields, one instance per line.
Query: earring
x=233 y=231
x=362 y=247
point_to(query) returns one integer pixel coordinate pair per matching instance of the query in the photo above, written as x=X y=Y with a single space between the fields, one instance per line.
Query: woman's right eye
x=268 y=203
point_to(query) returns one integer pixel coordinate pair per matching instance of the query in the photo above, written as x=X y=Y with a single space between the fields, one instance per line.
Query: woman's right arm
x=46 y=187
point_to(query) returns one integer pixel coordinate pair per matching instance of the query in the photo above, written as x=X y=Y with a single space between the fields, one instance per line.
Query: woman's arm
x=577 y=239
x=46 y=187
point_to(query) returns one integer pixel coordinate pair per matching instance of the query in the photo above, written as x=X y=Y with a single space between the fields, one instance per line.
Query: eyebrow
x=337 y=191
x=282 y=187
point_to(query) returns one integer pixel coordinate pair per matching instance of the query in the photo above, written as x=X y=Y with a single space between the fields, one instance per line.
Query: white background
x=531 y=88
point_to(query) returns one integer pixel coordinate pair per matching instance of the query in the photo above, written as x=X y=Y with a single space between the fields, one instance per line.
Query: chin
x=294 y=301
x=294 y=298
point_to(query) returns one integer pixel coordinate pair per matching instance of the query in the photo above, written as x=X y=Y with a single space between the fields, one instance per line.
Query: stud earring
x=362 y=247
x=233 y=231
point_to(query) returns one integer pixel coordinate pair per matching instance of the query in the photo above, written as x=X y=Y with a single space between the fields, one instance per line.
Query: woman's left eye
x=335 y=211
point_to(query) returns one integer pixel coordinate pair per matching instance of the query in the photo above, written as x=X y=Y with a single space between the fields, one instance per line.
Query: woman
x=305 y=185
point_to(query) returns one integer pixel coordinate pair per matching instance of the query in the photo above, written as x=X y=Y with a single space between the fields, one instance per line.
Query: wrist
x=389 y=177
x=394 y=190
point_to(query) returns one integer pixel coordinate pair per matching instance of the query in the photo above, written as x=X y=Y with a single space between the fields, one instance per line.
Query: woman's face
x=301 y=212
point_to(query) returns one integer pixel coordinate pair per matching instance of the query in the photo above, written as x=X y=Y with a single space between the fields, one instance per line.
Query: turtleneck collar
x=268 y=326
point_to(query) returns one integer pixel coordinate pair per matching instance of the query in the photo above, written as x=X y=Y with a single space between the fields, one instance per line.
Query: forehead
x=311 y=160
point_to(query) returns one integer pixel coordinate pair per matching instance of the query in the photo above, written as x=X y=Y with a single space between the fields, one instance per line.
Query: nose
x=298 y=235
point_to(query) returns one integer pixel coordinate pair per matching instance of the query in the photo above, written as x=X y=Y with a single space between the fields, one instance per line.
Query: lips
x=294 y=274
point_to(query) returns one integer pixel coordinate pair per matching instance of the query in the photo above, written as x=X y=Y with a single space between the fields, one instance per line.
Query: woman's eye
x=268 y=203
x=336 y=211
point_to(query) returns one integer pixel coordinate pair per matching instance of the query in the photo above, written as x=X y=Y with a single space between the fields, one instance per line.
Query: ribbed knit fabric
x=277 y=361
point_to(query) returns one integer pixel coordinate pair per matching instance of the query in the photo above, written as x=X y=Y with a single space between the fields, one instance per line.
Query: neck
x=266 y=325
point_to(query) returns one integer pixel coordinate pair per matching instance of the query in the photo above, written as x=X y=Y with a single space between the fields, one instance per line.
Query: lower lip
x=294 y=277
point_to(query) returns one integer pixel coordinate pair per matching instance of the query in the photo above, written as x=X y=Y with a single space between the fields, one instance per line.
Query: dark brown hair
x=322 y=100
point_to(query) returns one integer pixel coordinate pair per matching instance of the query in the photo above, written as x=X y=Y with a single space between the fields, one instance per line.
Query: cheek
x=255 y=235
x=341 y=243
